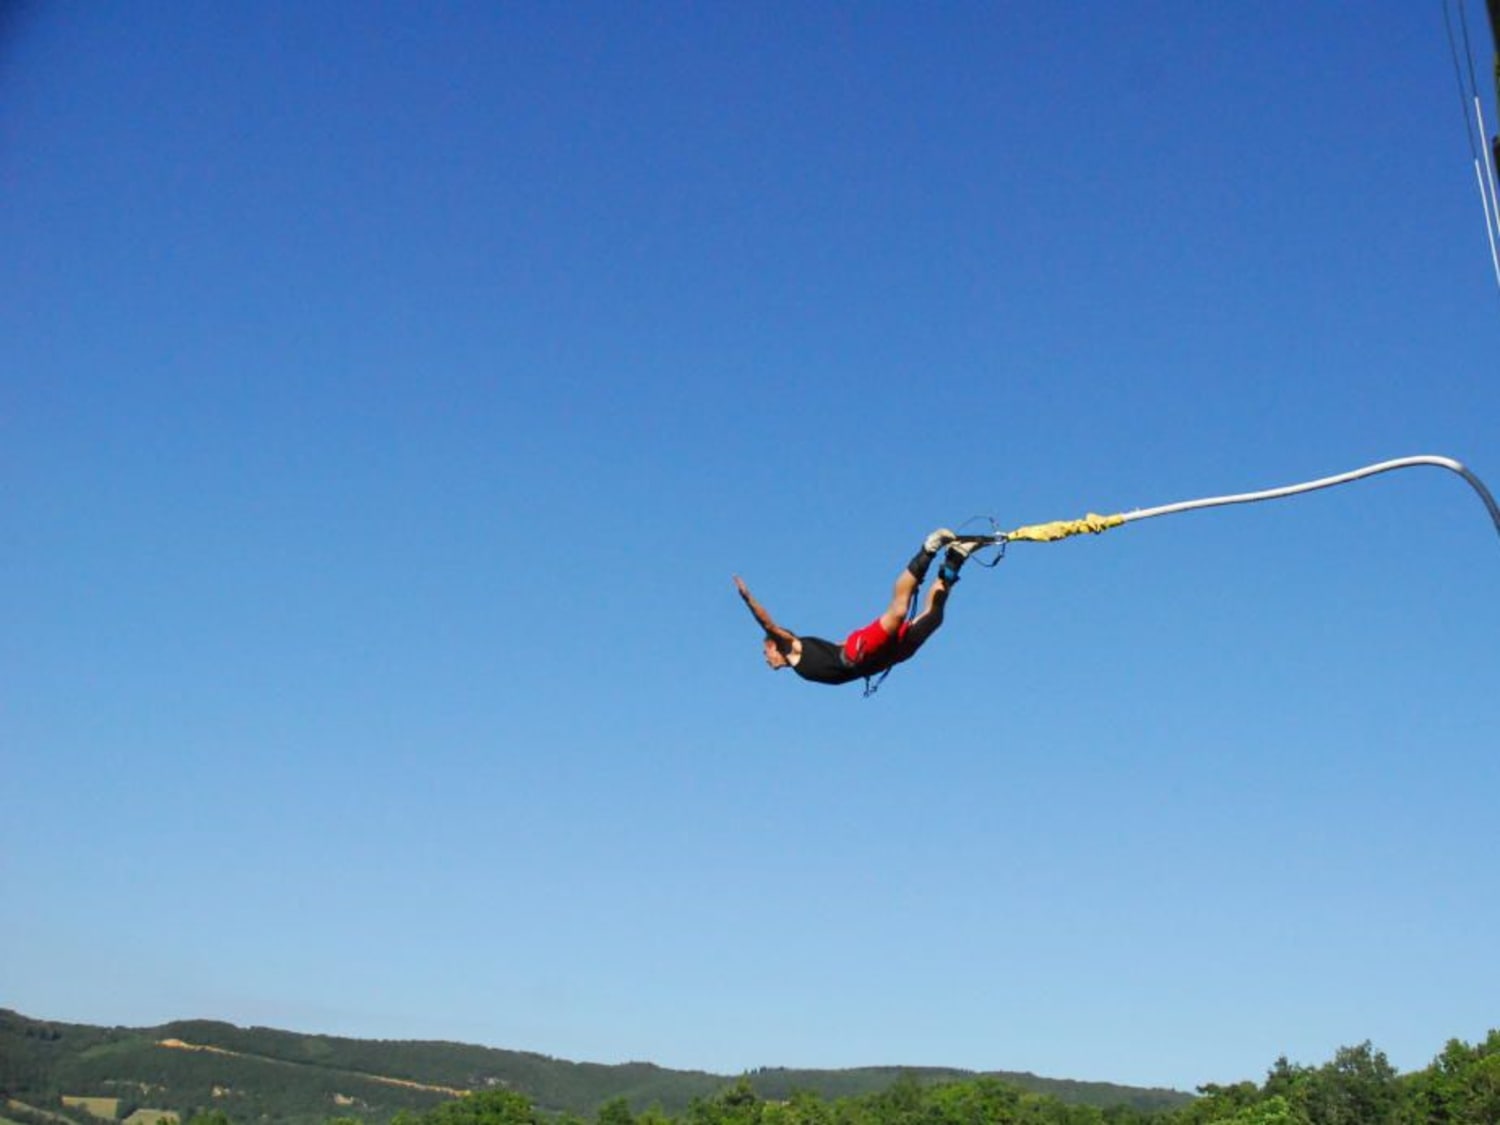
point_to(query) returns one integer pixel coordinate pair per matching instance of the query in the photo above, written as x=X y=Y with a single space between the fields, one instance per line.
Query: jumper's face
x=774 y=656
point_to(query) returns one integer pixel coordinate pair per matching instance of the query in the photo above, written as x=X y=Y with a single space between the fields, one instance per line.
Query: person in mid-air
x=888 y=640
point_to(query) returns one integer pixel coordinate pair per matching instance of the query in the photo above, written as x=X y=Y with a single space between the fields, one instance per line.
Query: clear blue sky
x=390 y=392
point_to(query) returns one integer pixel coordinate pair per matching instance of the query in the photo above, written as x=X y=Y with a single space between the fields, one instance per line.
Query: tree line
x=1357 y=1087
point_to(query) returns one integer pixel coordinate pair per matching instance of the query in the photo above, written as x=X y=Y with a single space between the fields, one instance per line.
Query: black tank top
x=823 y=662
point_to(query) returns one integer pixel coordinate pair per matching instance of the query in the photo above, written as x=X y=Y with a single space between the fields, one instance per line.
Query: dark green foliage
x=493 y=1107
x=907 y=1101
x=1357 y=1088
x=1461 y=1085
x=776 y=1084
x=1360 y=1087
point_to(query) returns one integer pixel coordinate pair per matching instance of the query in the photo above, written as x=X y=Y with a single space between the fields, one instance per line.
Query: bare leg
x=931 y=617
x=901 y=598
x=910 y=580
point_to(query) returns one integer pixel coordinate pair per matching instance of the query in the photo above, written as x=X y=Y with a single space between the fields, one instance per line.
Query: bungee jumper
x=895 y=636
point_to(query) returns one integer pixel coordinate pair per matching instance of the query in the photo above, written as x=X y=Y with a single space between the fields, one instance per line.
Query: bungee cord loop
x=1093 y=524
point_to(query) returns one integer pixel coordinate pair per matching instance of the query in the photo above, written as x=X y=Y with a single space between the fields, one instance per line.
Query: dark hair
x=783 y=644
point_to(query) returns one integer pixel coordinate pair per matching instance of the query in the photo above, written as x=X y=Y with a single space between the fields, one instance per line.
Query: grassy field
x=106 y=1109
x=39 y=1112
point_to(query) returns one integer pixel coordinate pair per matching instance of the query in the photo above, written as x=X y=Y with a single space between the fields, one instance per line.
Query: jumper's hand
x=759 y=612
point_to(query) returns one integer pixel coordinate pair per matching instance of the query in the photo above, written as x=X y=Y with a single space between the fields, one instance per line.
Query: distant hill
x=279 y=1077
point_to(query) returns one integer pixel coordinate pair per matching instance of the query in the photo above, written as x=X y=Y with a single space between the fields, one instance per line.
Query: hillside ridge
x=277 y=1076
x=182 y=1045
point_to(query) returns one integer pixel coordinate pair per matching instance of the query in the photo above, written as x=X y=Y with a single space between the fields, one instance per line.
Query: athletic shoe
x=937 y=540
x=960 y=549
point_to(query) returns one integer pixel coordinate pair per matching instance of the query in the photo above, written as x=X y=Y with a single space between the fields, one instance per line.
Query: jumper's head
x=775 y=653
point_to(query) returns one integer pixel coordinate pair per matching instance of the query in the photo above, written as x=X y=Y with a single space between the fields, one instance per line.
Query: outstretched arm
x=772 y=629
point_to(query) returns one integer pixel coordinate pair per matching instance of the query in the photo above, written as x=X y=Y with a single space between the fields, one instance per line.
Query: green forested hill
x=216 y=1074
x=279 y=1076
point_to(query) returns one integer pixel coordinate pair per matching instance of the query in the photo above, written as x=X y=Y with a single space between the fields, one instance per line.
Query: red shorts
x=870 y=644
